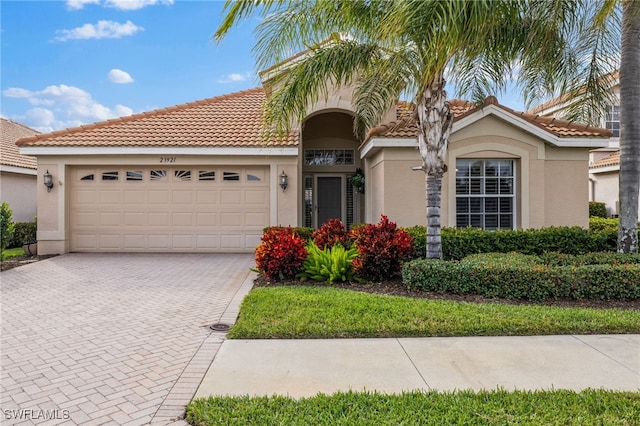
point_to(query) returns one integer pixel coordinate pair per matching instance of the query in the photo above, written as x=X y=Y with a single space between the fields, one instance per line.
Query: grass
x=14 y=252
x=325 y=312
x=499 y=407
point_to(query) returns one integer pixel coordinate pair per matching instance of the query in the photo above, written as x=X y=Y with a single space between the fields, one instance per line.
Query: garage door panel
x=208 y=241
x=199 y=208
x=182 y=197
x=252 y=219
x=231 y=241
x=230 y=219
x=182 y=219
x=158 y=196
x=135 y=197
x=135 y=219
x=207 y=219
x=159 y=241
x=135 y=241
x=87 y=196
x=110 y=241
x=231 y=197
x=110 y=219
x=207 y=197
x=158 y=219
x=255 y=197
x=83 y=219
x=110 y=197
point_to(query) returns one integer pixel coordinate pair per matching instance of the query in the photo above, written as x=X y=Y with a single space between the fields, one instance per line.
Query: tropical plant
x=6 y=226
x=330 y=233
x=330 y=264
x=390 y=49
x=281 y=253
x=382 y=248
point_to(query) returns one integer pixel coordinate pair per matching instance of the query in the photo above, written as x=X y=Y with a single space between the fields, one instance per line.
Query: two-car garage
x=166 y=207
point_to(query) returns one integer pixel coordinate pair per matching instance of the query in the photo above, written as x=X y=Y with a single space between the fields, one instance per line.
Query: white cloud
x=119 y=76
x=103 y=29
x=234 y=77
x=66 y=106
x=134 y=4
x=79 y=4
x=117 y=4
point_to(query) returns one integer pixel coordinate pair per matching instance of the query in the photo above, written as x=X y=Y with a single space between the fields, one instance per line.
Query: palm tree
x=389 y=49
x=630 y=127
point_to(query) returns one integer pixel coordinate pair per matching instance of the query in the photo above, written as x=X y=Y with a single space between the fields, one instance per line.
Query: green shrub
x=458 y=243
x=418 y=234
x=597 y=209
x=382 y=248
x=528 y=277
x=24 y=233
x=281 y=253
x=330 y=264
x=603 y=224
x=6 y=226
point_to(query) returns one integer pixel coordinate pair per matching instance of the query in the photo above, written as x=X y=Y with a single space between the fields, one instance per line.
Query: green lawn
x=557 y=407
x=326 y=312
x=14 y=252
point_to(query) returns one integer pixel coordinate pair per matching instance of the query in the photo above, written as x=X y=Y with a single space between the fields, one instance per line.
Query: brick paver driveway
x=112 y=338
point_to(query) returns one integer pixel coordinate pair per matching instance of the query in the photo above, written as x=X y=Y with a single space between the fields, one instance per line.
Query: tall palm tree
x=629 y=127
x=393 y=48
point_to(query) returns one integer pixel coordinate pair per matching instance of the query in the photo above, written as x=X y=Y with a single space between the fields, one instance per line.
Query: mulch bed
x=14 y=262
x=396 y=288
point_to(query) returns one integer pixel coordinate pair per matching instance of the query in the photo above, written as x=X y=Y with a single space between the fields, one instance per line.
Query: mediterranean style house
x=202 y=177
x=17 y=172
x=604 y=163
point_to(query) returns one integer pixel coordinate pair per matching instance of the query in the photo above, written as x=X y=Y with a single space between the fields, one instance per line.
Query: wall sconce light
x=48 y=181
x=284 y=181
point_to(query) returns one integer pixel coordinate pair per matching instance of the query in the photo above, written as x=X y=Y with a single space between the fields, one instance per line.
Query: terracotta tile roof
x=9 y=152
x=232 y=120
x=405 y=126
x=612 y=159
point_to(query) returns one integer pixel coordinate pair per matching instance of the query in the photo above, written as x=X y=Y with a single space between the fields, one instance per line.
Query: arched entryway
x=330 y=158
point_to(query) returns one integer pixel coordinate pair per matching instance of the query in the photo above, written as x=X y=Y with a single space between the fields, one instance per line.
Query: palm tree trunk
x=434 y=122
x=629 y=127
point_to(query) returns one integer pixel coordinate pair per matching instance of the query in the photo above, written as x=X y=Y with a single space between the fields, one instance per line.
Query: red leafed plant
x=281 y=254
x=382 y=247
x=330 y=233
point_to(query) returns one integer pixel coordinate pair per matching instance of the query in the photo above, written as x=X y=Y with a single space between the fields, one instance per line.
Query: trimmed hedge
x=597 y=209
x=605 y=276
x=23 y=233
x=458 y=243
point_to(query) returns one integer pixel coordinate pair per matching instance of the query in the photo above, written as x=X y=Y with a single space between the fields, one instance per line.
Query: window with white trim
x=612 y=120
x=485 y=194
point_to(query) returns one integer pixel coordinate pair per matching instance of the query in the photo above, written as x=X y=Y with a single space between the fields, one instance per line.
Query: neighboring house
x=202 y=177
x=604 y=163
x=18 y=173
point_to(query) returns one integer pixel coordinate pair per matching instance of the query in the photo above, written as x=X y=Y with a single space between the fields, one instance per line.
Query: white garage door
x=178 y=208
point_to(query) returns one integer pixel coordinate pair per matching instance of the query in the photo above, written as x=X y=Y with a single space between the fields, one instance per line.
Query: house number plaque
x=167 y=159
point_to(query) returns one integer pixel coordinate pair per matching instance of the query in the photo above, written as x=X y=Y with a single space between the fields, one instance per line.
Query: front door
x=328 y=199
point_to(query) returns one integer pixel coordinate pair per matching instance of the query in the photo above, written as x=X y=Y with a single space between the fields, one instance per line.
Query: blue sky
x=66 y=63
x=72 y=62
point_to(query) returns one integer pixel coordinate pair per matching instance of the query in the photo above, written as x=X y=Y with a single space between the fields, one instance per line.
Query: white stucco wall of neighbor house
x=19 y=191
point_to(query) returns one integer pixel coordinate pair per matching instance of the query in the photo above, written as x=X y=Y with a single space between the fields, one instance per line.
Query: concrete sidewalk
x=301 y=368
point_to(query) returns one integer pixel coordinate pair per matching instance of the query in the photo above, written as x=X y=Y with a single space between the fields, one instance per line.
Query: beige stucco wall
x=19 y=190
x=53 y=233
x=551 y=185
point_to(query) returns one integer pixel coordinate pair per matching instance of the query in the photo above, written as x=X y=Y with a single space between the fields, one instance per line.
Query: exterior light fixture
x=48 y=180
x=284 y=181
